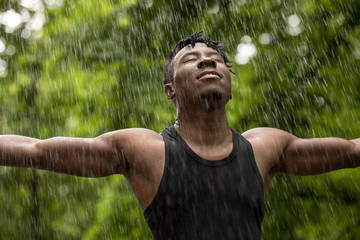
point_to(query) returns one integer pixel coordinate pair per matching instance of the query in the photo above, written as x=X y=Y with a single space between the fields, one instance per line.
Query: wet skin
x=200 y=91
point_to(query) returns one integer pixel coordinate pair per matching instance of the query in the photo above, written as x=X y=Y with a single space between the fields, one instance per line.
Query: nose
x=207 y=62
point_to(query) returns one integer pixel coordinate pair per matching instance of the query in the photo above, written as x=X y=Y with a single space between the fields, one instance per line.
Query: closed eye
x=191 y=59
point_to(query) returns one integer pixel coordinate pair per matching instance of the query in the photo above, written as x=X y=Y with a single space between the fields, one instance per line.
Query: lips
x=209 y=74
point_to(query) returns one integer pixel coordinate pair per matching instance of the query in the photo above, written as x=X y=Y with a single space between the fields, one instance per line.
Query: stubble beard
x=211 y=100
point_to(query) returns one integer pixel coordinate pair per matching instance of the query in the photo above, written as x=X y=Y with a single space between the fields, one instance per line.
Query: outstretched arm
x=317 y=155
x=93 y=157
x=278 y=151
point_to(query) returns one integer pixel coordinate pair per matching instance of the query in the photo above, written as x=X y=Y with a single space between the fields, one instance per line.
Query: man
x=198 y=179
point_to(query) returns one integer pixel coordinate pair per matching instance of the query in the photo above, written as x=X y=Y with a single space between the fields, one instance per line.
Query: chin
x=212 y=95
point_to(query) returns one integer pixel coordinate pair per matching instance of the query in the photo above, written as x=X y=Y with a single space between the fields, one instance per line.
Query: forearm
x=17 y=151
x=316 y=156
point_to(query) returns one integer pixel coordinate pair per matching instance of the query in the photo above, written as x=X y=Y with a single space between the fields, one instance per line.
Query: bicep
x=316 y=156
x=94 y=157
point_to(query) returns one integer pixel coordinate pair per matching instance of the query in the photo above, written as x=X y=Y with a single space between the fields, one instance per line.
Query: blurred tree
x=96 y=66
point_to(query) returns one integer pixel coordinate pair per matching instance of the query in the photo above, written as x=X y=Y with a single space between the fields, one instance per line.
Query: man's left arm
x=317 y=155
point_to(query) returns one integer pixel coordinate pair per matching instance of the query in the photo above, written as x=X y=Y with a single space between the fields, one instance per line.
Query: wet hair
x=192 y=39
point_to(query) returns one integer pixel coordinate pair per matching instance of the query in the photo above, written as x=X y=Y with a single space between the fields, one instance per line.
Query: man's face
x=200 y=73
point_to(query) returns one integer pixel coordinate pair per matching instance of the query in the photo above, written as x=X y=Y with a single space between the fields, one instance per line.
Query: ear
x=169 y=90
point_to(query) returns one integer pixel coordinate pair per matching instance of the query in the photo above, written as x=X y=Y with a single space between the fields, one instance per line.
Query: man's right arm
x=86 y=157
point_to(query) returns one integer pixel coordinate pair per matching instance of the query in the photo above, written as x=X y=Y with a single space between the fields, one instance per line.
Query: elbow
x=37 y=155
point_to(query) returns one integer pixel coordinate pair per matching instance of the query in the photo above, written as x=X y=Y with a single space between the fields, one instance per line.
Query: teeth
x=210 y=74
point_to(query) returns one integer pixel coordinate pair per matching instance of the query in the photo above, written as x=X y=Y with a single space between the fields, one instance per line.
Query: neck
x=203 y=126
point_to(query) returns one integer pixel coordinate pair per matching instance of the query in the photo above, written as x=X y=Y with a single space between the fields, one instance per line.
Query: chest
x=193 y=184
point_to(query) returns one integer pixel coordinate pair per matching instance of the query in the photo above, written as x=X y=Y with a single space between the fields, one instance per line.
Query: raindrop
x=214 y=9
x=11 y=20
x=54 y=3
x=303 y=50
x=2 y=46
x=26 y=33
x=37 y=22
x=25 y=15
x=293 y=20
x=341 y=19
x=294 y=31
x=34 y=5
x=265 y=38
x=320 y=100
x=10 y=50
x=246 y=39
x=148 y=3
x=245 y=51
x=294 y=26
x=3 y=67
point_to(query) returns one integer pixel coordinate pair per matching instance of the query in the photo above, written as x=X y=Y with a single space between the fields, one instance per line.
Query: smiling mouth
x=209 y=75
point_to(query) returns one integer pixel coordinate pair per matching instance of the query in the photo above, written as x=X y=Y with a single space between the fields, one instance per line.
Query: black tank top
x=202 y=199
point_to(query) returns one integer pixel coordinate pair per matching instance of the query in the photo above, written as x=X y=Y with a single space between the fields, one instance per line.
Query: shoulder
x=132 y=134
x=139 y=147
x=268 y=145
x=132 y=140
x=265 y=134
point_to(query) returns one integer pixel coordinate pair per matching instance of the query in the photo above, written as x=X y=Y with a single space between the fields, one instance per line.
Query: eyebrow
x=214 y=53
x=188 y=54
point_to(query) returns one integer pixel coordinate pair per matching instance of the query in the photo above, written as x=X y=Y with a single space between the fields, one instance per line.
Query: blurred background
x=82 y=68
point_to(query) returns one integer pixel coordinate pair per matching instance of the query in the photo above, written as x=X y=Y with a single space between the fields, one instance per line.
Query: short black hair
x=192 y=39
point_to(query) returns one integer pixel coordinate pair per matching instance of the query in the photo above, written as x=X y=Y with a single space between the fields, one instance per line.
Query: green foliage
x=118 y=215
x=97 y=67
